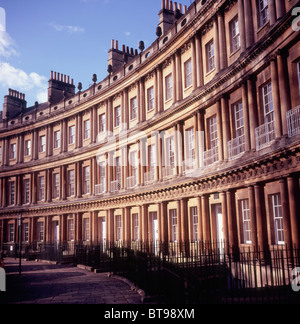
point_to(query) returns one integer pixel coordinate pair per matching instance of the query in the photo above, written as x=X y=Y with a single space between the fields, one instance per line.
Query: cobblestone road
x=43 y=283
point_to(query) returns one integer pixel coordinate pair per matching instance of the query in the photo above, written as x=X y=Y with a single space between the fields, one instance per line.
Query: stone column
x=280 y=8
x=225 y=125
x=220 y=133
x=248 y=23
x=272 y=11
x=194 y=62
x=283 y=79
x=184 y=219
x=199 y=211
x=225 y=217
x=177 y=78
x=276 y=100
x=253 y=118
x=216 y=44
x=160 y=89
x=205 y=218
x=174 y=77
x=260 y=217
x=285 y=212
x=199 y=61
x=197 y=146
x=252 y=216
x=231 y=213
x=293 y=192
x=222 y=41
x=246 y=117
x=242 y=25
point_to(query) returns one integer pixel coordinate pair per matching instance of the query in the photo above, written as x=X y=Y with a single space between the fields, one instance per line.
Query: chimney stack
x=116 y=55
x=59 y=86
x=14 y=104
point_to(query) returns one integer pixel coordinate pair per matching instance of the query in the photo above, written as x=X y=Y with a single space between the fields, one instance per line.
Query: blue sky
x=67 y=36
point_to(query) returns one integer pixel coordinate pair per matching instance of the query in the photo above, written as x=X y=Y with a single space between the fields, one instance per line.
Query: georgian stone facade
x=195 y=138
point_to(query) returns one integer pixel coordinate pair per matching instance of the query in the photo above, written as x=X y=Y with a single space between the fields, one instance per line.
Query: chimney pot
x=51 y=77
x=68 y=79
x=117 y=45
x=112 y=44
x=185 y=9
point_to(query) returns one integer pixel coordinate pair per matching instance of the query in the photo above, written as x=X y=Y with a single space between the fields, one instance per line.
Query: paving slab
x=44 y=283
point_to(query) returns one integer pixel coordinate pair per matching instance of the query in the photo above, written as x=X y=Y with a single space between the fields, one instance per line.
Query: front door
x=103 y=233
x=155 y=234
x=56 y=233
x=219 y=225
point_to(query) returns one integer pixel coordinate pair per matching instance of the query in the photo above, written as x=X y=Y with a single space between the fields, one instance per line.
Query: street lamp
x=20 y=242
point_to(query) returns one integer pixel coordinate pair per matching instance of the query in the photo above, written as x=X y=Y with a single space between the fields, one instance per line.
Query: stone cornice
x=276 y=165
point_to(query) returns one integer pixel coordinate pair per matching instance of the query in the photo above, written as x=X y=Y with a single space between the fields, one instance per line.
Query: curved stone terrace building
x=195 y=138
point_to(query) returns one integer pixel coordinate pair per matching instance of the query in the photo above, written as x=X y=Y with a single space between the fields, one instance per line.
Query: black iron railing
x=184 y=272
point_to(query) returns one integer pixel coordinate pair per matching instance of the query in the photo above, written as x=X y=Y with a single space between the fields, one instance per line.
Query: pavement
x=44 y=283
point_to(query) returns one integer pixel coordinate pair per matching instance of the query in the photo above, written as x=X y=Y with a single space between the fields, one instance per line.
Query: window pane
x=278 y=219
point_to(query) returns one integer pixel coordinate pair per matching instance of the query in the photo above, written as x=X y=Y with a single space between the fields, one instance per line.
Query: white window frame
x=195 y=222
x=28 y=148
x=72 y=132
x=268 y=106
x=71 y=230
x=263 y=11
x=40 y=231
x=169 y=86
x=102 y=174
x=170 y=152
x=117 y=114
x=12 y=193
x=118 y=228
x=11 y=232
x=86 y=180
x=86 y=229
x=57 y=139
x=102 y=123
x=174 y=225
x=41 y=182
x=26 y=232
x=188 y=73
x=136 y=230
x=213 y=131
x=26 y=191
x=71 y=183
x=42 y=146
x=239 y=118
x=87 y=129
x=210 y=56
x=56 y=185
x=150 y=96
x=245 y=211
x=235 y=34
x=278 y=219
x=133 y=108
x=13 y=151
x=190 y=146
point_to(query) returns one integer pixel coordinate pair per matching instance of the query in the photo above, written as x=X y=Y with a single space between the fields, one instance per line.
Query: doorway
x=155 y=232
x=56 y=233
x=219 y=228
x=103 y=233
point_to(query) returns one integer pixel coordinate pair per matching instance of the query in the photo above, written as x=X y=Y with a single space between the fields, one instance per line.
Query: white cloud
x=67 y=28
x=14 y=78
x=7 y=45
x=127 y=33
